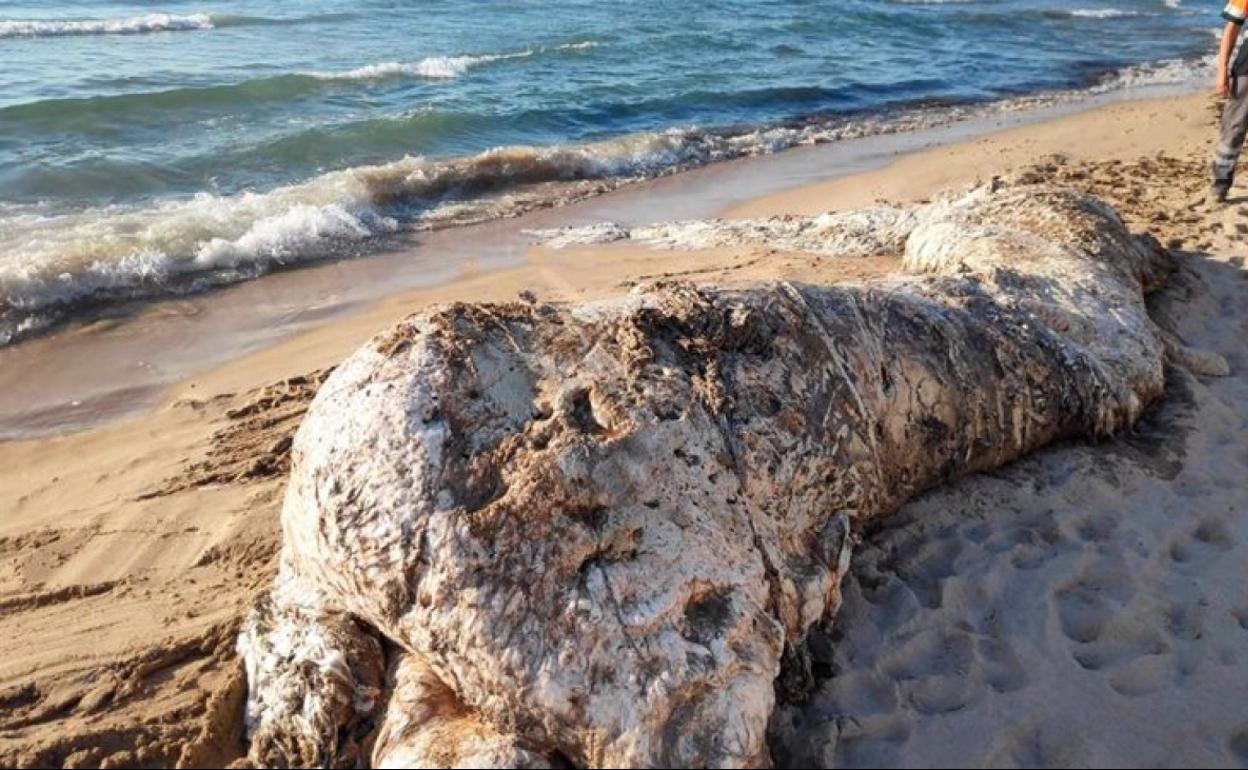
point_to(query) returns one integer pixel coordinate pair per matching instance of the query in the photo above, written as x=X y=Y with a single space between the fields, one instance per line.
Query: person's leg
x=1231 y=139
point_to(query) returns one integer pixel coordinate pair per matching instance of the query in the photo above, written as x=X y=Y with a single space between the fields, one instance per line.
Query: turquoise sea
x=148 y=149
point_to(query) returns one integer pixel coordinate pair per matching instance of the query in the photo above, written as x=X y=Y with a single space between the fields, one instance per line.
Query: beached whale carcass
x=527 y=534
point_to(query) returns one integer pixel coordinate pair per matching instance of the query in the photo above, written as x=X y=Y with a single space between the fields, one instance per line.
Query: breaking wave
x=437 y=67
x=151 y=22
x=144 y=23
x=58 y=261
x=1102 y=13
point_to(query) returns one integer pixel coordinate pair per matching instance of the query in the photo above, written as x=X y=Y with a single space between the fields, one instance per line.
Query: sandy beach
x=1085 y=606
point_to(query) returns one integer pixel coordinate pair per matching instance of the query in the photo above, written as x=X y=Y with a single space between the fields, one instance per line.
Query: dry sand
x=1086 y=606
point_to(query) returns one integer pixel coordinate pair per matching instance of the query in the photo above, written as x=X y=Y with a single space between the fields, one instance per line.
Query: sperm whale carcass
x=531 y=534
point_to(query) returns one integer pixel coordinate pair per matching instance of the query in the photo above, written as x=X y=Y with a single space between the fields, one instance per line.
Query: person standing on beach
x=1235 y=111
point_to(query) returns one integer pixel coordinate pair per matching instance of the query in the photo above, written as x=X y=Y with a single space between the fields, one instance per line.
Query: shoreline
x=103 y=261
x=132 y=549
x=131 y=359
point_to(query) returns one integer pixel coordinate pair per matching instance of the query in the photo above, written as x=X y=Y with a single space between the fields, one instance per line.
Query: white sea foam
x=53 y=261
x=440 y=67
x=151 y=22
x=434 y=67
x=299 y=233
x=1102 y=13
x=1167 y=72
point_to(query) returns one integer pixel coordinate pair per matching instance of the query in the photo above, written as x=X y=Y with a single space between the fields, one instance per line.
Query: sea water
x=149 y=149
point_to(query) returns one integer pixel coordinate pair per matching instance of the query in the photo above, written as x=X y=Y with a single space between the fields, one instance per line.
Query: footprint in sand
x=1030 y=545
x=1214 y=531
x=1185 y=622
x=933 y=563
x=1122 y=639
x=1036 y=745
x=1086 y=605
x=1122 y=646
x=1083 y=615
x=1097 y=527
x=1193 y=552
x=1241 y=617
x=1142 y=676
x=1003 y=671
x=868 y=743
x=1238 y=746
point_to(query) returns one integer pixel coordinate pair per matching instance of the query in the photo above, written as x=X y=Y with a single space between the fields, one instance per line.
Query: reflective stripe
x=1235 y=11
x=1231 y=137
